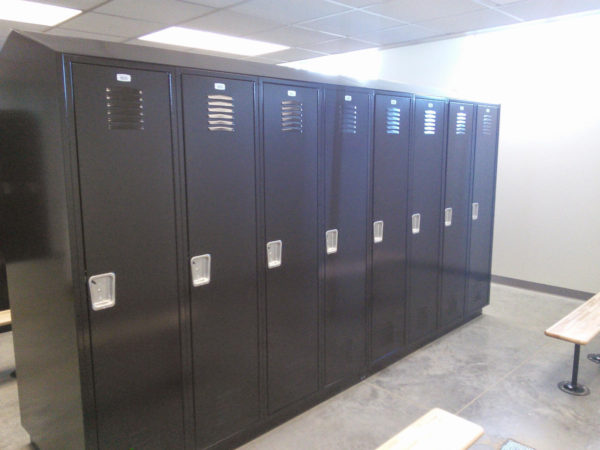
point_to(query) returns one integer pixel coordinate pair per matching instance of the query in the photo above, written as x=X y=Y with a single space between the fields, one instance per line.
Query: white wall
x=547 y=78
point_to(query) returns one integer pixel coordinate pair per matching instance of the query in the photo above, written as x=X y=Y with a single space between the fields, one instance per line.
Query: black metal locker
x=219 y=133
x=482 y=207
x=390 y=196
x=456 y=211
x=124 y=144
x=425 y=217
x=290 y=126
x=347 y=136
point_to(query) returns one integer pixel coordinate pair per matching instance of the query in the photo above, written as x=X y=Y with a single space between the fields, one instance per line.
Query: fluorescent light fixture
x=204 y=40
x=361 y=64
x=36 y=13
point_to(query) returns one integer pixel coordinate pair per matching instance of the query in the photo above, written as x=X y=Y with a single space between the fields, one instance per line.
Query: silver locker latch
x=200 y=266
x=448 y=217
x=331 y=241
x=416 y=223
x=102 y=291
x=475 y=211
x=378 y=231
x=274 y=249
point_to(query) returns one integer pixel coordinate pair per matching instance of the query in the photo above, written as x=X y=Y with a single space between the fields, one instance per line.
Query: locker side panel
x=426 y=175
x=290 y=153
x=456 y=207
x=128 y=208
x=390 y=195
x=484 y=182
x=219 y=133
x=347 y=164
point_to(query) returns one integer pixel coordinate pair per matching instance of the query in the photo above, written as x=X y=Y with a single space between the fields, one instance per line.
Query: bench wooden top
x=5 y=318
x=581 y=325
x=436 y=429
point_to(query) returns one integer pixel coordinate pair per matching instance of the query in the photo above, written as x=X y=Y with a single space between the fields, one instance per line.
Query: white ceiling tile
x=76 y=4
x=397 y=35
x=357 y=3
x=477 y=20
x=340 y=46
x=421 y=10
x=163 y=11
x=293 y=36
x=264 y=60
x=111 y=25
x=295 y=54
x=84 y=35
x=230 y=22
x=349 y=23
x=214 y=3
x=183 y=49
x=289 y=11
x=540 y=9
x=499 y=2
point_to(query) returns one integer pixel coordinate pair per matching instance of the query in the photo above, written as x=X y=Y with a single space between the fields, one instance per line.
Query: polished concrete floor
x=499 y=371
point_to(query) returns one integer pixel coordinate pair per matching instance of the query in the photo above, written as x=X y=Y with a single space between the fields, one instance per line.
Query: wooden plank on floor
x=438 y=429
x=581 y=325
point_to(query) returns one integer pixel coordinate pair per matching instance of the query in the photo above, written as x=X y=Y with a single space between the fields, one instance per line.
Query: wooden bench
x=5 y=318
x=436 y=429
x=578 y=327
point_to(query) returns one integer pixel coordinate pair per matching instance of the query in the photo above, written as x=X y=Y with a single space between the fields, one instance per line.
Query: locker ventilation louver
x=124 y=108
x=348 y=118
x=430 y=121
x=291 y=116
x=461 y=123
x=221 y=115
x=392 y=123
x=487 y=124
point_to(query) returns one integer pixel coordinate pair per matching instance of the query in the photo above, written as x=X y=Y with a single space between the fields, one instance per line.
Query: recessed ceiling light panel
x=36 y=13
x=204 y=40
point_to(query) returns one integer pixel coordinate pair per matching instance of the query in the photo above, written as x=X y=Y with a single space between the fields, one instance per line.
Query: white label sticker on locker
x=291 y=93
x=348 y=98
x=124 y=77
x=393 y=101
x=220 y=86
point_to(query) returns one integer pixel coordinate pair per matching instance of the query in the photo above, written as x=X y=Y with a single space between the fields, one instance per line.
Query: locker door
x=390 y=196
x=456 y=211
x=219 y=130
x=290 y=152
x=426 y=175
x=482 y=208
x=347 y=121
x=126 y=170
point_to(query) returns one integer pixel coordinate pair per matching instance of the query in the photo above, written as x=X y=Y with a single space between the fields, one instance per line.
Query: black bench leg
x=572 y=387
x=13 y=374
x=594 y=357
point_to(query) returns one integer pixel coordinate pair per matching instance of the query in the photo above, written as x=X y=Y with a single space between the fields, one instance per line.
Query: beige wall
x=547 y=78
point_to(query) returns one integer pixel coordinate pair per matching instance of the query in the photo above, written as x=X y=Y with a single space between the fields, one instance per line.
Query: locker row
x=249 y=246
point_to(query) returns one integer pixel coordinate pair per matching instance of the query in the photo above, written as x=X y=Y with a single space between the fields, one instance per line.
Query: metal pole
x=575 y=366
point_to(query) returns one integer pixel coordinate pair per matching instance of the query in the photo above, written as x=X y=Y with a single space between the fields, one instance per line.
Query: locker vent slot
x=487 y=124
x=291 y=116
x=430 y=119
x=392 y=123
x=221 y=114
x=461 y=123
x=348 y=118
x=124 y=108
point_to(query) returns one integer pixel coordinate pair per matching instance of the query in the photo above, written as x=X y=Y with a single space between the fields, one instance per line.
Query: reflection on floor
x=499 y=371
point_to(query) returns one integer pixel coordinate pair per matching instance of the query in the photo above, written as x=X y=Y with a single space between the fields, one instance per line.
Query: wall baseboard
x=539 y=287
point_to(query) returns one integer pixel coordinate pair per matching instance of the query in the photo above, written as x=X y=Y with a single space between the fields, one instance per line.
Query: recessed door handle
x=102 y=291
x=448 y=217
x=274 y=253
x=416 y=223
x=331 y=241
x=200 y=266
x=475 y=212
x=378 y=231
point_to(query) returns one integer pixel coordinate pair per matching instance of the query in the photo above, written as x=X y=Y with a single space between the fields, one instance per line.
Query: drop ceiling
x=311 y=28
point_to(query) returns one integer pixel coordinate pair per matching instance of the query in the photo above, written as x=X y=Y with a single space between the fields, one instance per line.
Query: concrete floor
x=499 y=371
